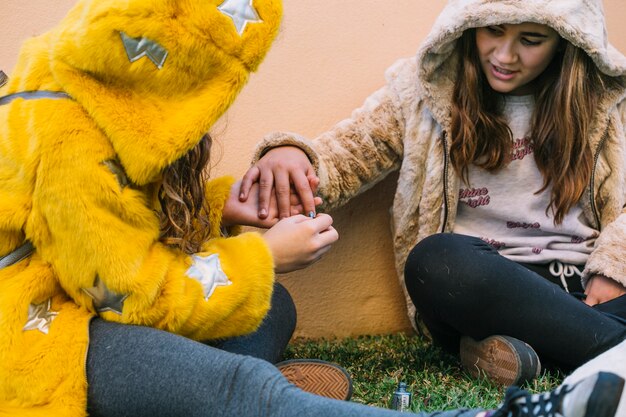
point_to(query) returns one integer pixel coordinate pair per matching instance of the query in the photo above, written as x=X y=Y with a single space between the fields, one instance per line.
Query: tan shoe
x=318 y=377
x=502 y=359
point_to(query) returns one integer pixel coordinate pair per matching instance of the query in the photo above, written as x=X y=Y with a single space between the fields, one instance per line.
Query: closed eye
x=530 y=42
x=494 y=30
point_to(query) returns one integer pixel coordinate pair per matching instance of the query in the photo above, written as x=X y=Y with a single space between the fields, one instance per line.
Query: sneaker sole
x=502 y=359
x=606 y=396
x=318 y=377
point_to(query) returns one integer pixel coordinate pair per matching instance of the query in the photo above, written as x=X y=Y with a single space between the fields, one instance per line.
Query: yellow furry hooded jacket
x=94 y=111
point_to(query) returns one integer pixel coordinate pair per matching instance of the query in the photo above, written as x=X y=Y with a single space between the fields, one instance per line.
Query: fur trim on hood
x=580 y=22
x=155 y=115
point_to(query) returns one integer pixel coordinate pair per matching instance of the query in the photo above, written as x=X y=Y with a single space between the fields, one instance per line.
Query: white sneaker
x=595 y=396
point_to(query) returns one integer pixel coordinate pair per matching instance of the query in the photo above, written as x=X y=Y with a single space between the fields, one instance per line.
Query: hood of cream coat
x=580 y=22
x=190 y=61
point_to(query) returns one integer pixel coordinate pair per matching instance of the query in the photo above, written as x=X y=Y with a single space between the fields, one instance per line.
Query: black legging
x=461 y=286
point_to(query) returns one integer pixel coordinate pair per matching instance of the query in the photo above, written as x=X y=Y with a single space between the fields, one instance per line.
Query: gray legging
x=139 y=371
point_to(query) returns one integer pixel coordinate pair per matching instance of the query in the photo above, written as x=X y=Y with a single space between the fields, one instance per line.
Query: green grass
x=378 y=363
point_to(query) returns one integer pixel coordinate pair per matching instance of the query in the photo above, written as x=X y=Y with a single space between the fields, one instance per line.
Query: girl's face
x=512 y=56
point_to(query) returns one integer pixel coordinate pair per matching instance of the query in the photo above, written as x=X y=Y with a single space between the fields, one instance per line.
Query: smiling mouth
x=502 y=70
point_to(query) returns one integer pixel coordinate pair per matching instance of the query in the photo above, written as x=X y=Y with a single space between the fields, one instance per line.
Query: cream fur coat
x=402 y=127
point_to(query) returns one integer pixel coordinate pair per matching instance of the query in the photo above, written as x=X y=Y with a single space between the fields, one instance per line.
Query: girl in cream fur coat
x=509 y=229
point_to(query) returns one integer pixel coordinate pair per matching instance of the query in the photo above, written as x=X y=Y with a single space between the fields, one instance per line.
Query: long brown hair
x=185 y=212
x=566 y=97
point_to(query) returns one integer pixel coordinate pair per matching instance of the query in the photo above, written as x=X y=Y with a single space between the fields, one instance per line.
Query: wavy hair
x=184 y=209
x=566 y=97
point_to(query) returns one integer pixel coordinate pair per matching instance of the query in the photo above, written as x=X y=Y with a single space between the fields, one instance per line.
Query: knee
x=441 y=260
x=432 y=251
x=425 y=248
x=419 y=263
x=258 y=381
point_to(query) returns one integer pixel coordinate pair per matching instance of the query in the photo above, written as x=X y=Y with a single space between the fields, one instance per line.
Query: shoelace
x=520 y=403
x=563 y=271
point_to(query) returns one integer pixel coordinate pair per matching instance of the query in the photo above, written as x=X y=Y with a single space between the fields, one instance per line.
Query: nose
x=506 y=52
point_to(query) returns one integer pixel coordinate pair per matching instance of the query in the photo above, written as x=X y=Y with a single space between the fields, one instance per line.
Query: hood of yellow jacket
x=155 y=75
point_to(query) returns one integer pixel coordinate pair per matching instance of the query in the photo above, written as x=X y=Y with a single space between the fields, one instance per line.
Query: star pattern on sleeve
x=40 y=317
x=208 y=271
x=104 y=299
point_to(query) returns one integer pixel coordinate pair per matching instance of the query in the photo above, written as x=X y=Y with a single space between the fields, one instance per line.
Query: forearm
x=355 y=154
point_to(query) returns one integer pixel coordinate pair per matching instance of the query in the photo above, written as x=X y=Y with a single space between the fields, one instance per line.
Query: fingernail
x=242 y=195
x=263 y=213
x=312 y=214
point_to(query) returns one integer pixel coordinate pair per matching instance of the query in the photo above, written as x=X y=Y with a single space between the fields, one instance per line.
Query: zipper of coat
x=592 y=181
x=444 y=141
x=85 y=358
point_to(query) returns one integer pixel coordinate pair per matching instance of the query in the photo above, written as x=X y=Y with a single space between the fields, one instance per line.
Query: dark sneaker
x=502 y=359
x=595 y=396
x=318 y=377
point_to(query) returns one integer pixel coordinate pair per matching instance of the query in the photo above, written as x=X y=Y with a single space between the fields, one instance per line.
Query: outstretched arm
x=350 y=158
x=101 y=236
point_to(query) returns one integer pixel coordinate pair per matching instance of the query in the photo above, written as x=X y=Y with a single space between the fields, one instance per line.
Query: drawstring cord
x=562 y=271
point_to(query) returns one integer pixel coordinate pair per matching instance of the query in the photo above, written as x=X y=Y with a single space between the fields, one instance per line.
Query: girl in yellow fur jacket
x=104 y=208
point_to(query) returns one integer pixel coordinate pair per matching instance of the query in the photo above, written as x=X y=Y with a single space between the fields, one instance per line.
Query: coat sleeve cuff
x=217 y=191
x=238 y=308
x=608 y=257
x=277 y=139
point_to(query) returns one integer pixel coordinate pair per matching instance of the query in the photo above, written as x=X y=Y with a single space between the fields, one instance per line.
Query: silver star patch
x=117 y=169
x=3 y=79
x=137 y=48
x=241 y=11
x=105 y=299
x=208 y=271
x=40 y=317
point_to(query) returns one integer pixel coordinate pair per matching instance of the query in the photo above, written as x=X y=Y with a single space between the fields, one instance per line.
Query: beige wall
x=329 y=56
